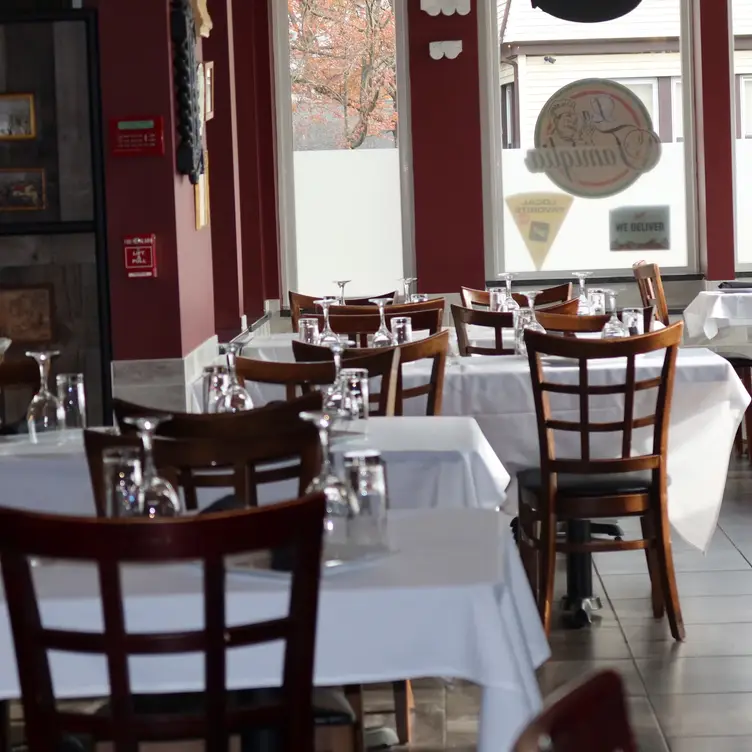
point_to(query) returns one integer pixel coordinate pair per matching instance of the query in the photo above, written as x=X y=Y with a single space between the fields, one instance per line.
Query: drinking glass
x=633 y=320
x=215 y=383
x=235 y=397
x=496 y=296
x=402 y=329
x=508 y=303
x=45 y=412
x=156 y=496
x=122 y=480
x=419 y=297
x=597 y=301
x=72 y=397
x=407 y=284
x=526 y=320
x=327 y=335
x=334 y=397
x=366 y=474
x=339 y=497
x=341 y=284
x=583 y=308
x=382 y=337
x=614 y=327
x=354 y=383
x=308 y=331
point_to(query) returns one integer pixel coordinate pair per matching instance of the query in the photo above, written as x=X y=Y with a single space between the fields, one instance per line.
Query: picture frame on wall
x=209 y=89
x=201 y=195
x=26 y=314
x=18 y=121
x=23 y=189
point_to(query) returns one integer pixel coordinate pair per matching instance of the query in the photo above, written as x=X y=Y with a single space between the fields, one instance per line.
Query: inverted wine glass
x=341 y=284
x=508 y=303
x=614 y=327
x=407 y=285
x=583 y=308
x=327 y=336
x=382 y=337
x=334 y=396
x=45 y=413
x=527 y=321
x=156 y=495
x=534 y=325
x=234 y=397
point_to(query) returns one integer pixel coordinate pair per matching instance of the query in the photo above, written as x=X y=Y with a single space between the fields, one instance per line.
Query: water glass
x=633 y=321
x=122 y=481
x=367 y=477
x=523 y=320
x=418 y=297
x=496 y=297
x=597 y=301
x=355 y=392
x=216 y=380
x=308 y=331
x=402 y=329
x=72 y=397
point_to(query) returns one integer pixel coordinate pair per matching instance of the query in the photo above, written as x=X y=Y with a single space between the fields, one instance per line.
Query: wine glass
x=382 y=337
x=508 y=303
x=407 y=283
x=525 y=321
x=72 y=395
x=339 y=497
x=583 y=309
x=327 y=335
x=613 y=327
x=235 y=397
x=156 y=496
x=45 y=413
x=341 y=284
x=335 y=397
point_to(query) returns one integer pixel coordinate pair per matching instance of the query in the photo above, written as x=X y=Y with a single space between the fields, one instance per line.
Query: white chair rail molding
x=447 y=7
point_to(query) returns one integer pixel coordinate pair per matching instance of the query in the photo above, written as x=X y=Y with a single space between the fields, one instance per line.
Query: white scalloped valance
x=447 y=7
x=449 y=50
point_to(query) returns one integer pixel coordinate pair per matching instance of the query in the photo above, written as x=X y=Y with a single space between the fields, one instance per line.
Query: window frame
x=677 y=109
x=653 y=83
x=744 y=79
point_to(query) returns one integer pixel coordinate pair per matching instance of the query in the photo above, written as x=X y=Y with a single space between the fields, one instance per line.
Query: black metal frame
x=98 y=225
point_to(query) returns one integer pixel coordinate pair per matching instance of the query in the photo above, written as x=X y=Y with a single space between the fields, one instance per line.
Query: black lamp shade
x=586 y=11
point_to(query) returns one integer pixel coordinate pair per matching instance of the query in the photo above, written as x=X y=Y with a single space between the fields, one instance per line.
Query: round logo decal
x=594 y=138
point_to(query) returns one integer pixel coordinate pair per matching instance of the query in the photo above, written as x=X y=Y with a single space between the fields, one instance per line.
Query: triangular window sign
x=586 y=11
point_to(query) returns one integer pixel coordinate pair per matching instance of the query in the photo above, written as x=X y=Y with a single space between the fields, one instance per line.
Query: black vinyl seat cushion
x=589 y=486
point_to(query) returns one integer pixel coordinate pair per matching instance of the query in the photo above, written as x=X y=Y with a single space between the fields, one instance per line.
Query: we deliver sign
x=643 y=228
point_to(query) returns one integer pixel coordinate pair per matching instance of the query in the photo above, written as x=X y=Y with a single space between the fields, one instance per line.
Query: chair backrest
x=471 y=297
x=279 y=447
x=380 y=363
x=396 y=309
x=650 y=284
x=590 y=714
x=303 y=304
x=583 y=351
x=464 y=317
x=240 y=426
x=358 y=326
x=296 y=526
x=432 y=348
x=562 y=323
x=567 y=308
x=556 y=294
x=17 y=374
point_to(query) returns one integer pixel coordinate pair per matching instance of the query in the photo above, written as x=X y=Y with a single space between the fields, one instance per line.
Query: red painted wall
x=446 y=144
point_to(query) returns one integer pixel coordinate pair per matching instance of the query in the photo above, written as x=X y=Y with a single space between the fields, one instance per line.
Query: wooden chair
x=380 y=363
x=280 y=446
x=358 y=326
x=432 y=348
x=556 y=294
x=585 y=488
x=569 y=325
x=16 y=374
x=108 y=544
x=590 y=714
x=303 y=304
x=498 y=321
x=396 y=309
x=560 y=295
x=567 y=308
x=650 y=284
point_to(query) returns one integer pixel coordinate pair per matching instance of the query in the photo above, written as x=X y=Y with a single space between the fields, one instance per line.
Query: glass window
x=745 y=106
x=589 y=183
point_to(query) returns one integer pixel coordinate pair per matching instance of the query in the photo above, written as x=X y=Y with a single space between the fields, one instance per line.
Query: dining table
x=716 y=314
x=449 y=598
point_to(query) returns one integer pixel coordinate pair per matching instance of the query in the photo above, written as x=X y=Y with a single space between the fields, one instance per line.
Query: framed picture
x=18 y=120
x=201 y=194
x=209 y=89
x=23 y=189
x=26 y=314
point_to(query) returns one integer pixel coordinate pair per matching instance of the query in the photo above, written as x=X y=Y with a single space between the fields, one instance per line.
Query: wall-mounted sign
x=539 y=217
x=140 y=256
x=640 y=228
x=594 y=138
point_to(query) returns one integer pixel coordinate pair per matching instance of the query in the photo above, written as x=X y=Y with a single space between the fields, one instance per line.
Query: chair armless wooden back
x=556 y=294
x=302 y=305
x=650 y=284
x=498 y=322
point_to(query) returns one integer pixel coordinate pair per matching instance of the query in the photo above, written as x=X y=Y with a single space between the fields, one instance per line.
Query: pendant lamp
x=586 y=11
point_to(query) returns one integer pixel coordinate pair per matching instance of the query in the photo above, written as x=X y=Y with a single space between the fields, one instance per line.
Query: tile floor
x=690 y=697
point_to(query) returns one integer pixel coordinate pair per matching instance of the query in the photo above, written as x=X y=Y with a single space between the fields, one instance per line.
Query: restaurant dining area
x=375 y=375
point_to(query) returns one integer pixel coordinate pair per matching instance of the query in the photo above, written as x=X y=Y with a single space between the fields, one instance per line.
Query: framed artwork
x=23 y=189
x=18 y=120
x=201 y=194
x=26 y=314
x=209 y=89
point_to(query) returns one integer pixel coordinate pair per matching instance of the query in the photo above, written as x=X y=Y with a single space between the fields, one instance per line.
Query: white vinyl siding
x=646 y=89
x=677 y=108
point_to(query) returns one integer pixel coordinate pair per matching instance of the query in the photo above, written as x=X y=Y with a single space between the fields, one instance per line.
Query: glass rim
x=351 y=372
x=401 y=320
x=308 y=320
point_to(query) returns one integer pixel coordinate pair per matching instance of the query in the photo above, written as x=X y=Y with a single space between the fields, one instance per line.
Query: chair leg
x=546 y=568
x=4 y=726
x=662 y=530
x=651 y=554
x=404 y=703
x=746 y=374
x=739 y=443
x=354 y=695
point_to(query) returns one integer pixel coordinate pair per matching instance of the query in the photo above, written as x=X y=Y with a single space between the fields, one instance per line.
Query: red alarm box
x=137 y=137
x=141 y=256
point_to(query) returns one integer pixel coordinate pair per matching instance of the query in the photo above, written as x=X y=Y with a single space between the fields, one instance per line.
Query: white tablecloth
x=711 y=312
x=708 y=404
x=453 y=602
x=444 y=462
